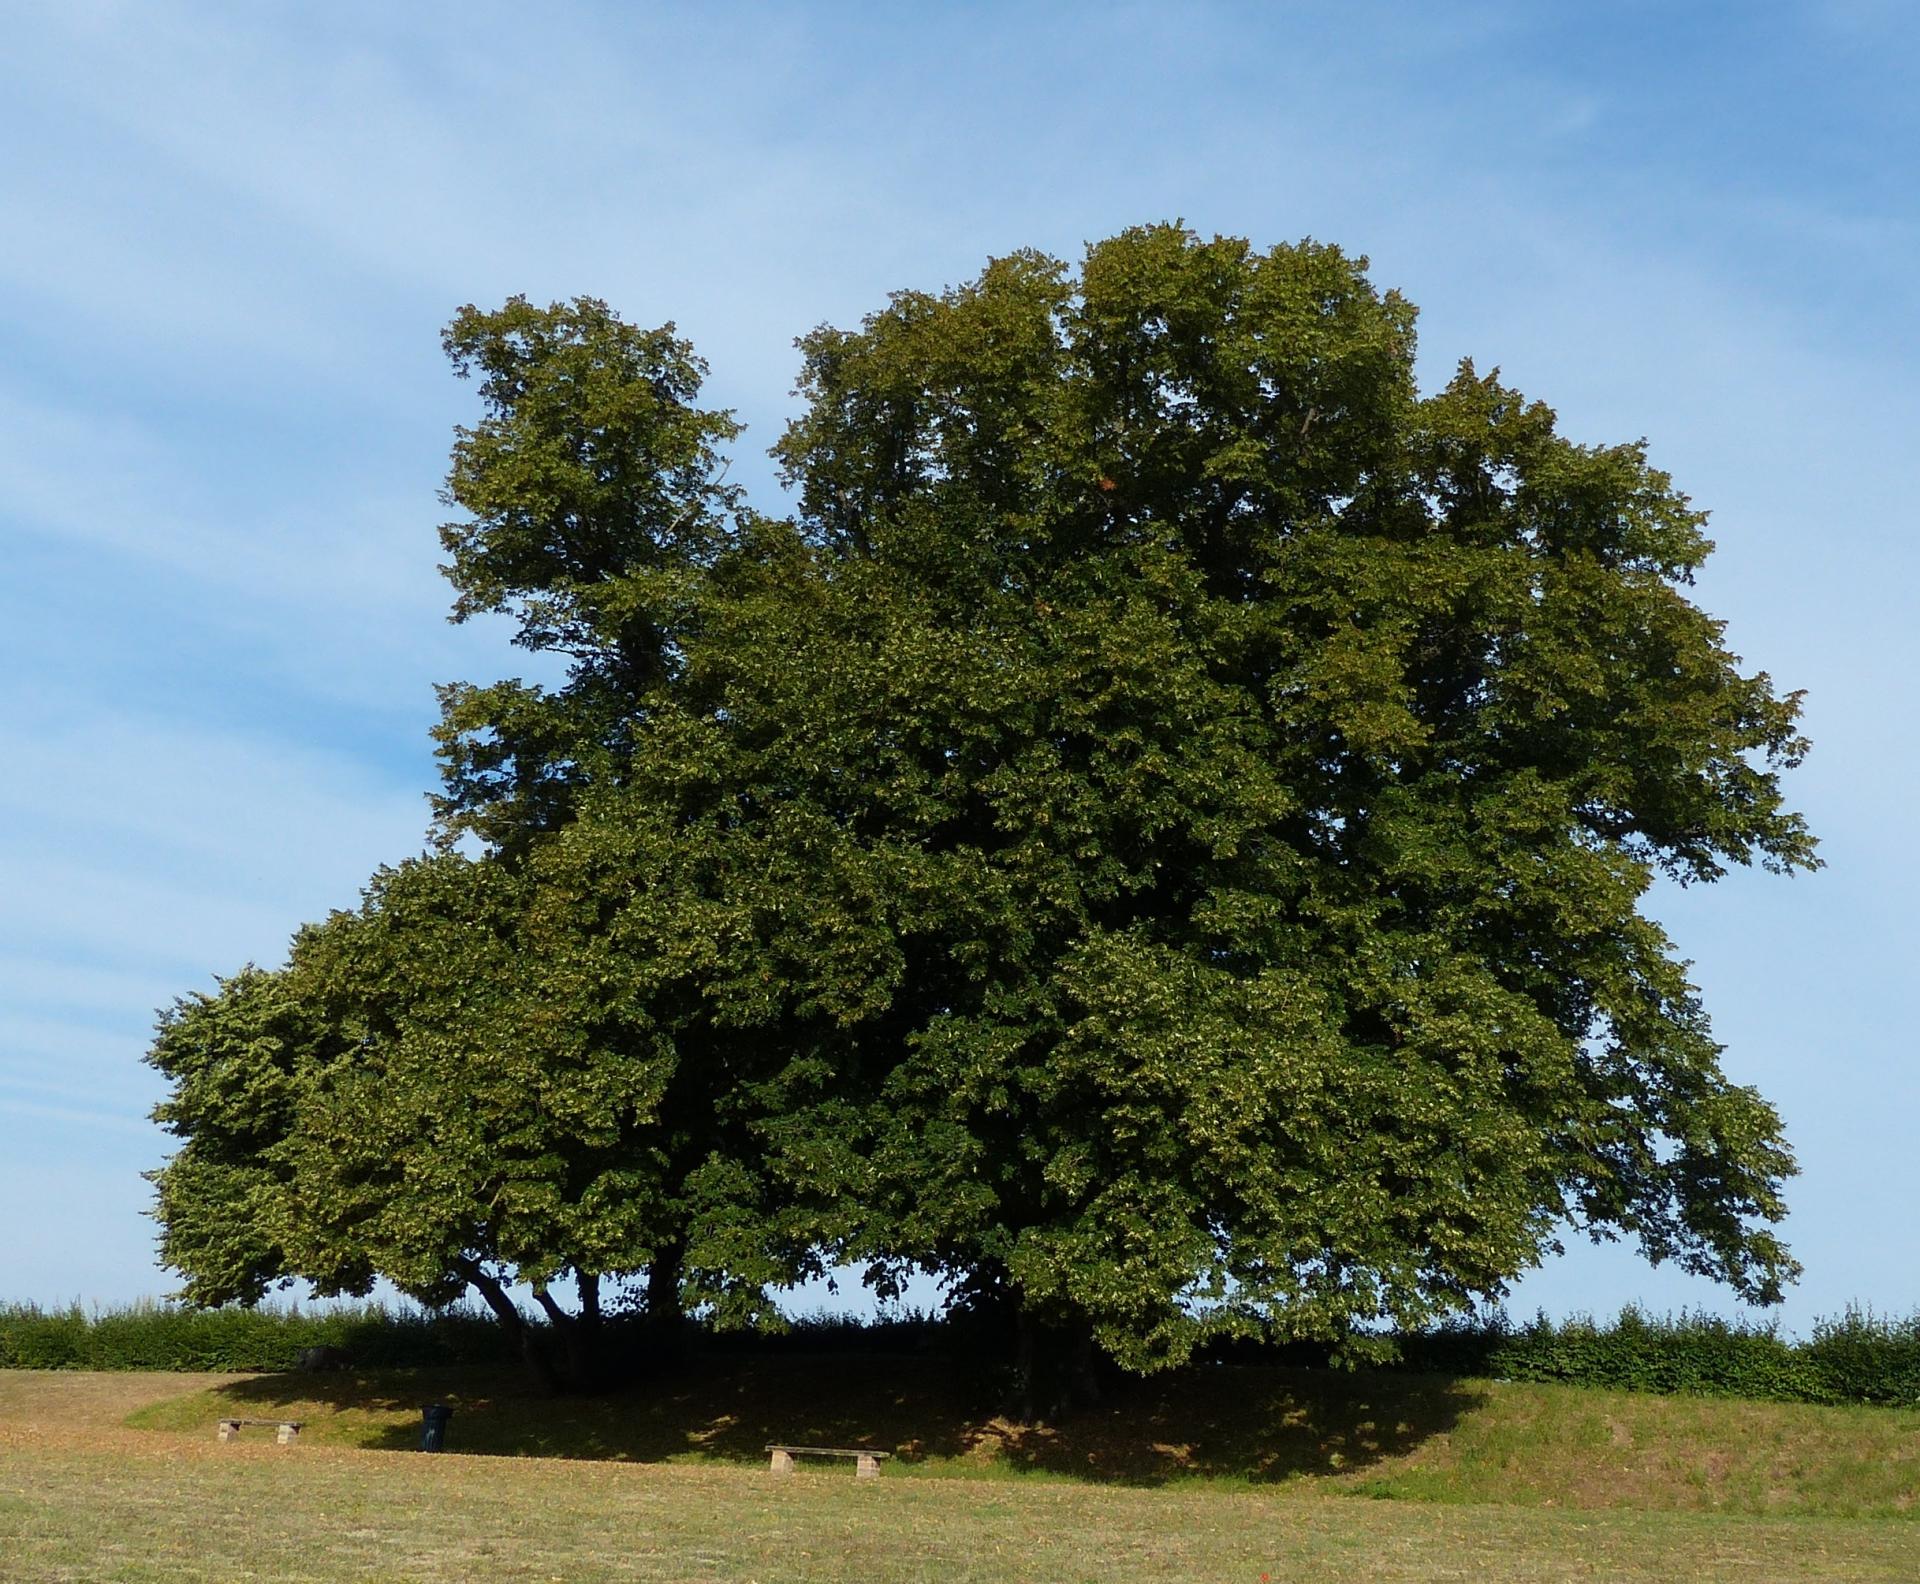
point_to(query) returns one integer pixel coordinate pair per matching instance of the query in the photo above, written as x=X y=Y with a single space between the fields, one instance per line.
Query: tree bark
x=507 y=1312
x=1083 y=1368
x=1026 y=1367
x=663 y=1289
x=1056 y=1367
x=584 y=1356
x=558 y=1316
x=577 y=1336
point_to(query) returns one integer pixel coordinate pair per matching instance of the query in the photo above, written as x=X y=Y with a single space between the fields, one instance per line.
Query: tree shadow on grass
x=726 y=1408
x=1251 y=1422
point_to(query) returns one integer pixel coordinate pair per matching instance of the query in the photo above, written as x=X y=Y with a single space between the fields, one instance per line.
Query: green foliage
x=148 y=1336
x=1857 y=1358
x=1260 y=767
x=470 y=1080
x=225 y=1201
x=590 y=486
x=1158 y=840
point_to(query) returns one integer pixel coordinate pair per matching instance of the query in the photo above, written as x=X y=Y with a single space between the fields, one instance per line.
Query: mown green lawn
x=268 y=1514
x=1396 y=1435
x=84 y=1497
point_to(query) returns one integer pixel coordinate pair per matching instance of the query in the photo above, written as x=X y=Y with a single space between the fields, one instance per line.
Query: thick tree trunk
x=1026 y=1368
x=577 y=1337
x=1056 y=1366
x=507 y=1312
x=664 y=1314
x=585 y=1358
x=663 y=1285
x=1083 y=1368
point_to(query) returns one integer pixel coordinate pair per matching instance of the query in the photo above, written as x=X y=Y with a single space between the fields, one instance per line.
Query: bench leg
x=228 y=1431
x=867 y=1467
x=289 y=1434
x=782 y=1463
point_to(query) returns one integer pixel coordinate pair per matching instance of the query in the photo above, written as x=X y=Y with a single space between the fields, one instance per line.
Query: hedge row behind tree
x=1857 y=1358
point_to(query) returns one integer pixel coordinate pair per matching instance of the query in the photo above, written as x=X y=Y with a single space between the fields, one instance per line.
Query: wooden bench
x=866 y=1466
x=289 y=1429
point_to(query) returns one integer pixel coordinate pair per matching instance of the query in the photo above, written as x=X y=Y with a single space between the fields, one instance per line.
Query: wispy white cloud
x=110 y=478
x=233 y=231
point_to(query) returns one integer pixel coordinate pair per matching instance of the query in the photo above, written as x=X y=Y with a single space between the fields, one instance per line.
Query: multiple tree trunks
x=866 y=1462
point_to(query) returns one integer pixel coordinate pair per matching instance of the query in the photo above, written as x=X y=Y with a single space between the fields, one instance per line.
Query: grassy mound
x=1391 y=1434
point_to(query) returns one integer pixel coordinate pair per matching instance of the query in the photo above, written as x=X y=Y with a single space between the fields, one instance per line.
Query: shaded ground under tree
x=1263 y=1422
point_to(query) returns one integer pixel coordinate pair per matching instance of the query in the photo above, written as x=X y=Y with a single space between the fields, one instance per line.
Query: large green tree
x=1159 y=838
x=1268 y=766
x=472 y=1080
x=475 y=1080
x=560 y=1051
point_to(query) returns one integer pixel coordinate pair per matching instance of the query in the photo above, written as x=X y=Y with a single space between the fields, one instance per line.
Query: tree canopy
x=1158 y=837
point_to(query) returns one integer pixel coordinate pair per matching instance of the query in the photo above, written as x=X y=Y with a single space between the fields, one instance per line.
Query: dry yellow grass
x=82 y=1498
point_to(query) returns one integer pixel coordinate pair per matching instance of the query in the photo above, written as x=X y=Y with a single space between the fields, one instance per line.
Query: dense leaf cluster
x=1158 y=839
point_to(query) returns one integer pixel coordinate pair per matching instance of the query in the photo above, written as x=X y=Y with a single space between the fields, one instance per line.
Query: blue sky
x=229 y=235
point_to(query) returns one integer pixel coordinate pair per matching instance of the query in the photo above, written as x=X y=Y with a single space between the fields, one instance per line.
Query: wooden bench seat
x=866 y=1465
x=289 y=1429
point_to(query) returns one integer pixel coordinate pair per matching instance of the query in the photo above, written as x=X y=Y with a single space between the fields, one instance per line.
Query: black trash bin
x=433 y=1427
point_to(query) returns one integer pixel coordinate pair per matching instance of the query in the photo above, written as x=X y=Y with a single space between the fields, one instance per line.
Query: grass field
x=1391 y=1435
x=1513 y=1483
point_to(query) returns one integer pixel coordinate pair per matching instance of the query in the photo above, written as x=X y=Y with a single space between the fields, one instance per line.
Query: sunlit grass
x=1411 y=1437
x=83 y=1497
